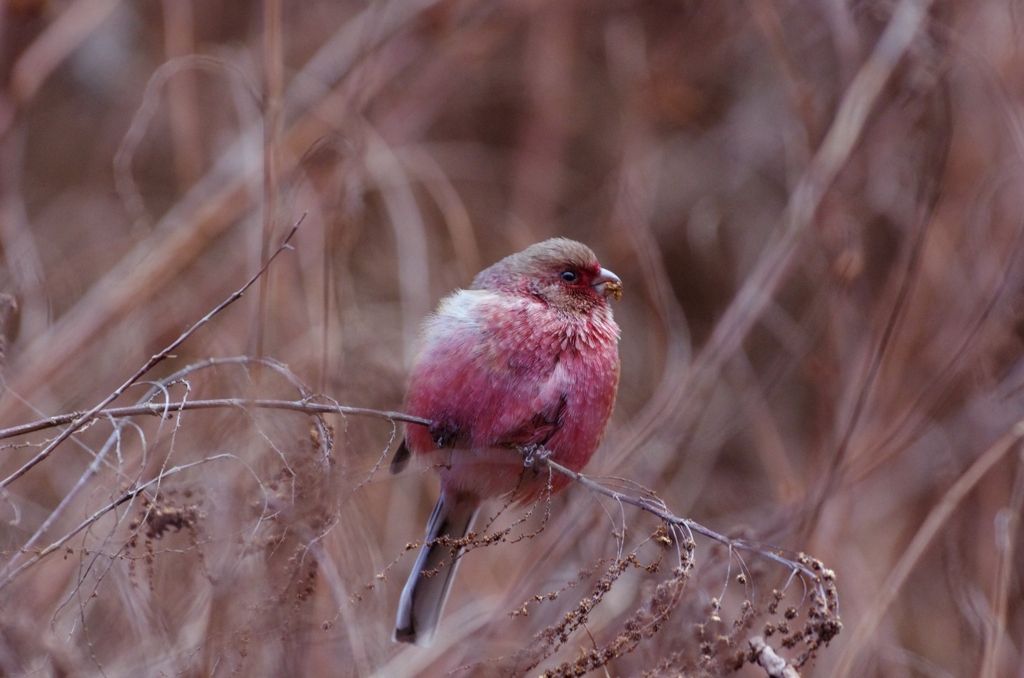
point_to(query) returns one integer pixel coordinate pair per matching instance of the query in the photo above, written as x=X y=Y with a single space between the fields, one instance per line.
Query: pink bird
x=525 y=362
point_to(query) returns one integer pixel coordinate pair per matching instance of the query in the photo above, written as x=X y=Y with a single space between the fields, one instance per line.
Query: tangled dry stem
x=159 y=516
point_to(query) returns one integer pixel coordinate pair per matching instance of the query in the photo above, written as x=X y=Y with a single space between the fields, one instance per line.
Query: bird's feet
x=534 y=456
x=444 y=434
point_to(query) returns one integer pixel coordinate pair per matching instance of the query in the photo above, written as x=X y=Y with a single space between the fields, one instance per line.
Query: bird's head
x=563 y=273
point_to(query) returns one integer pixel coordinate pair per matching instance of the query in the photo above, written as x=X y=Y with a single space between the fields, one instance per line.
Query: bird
x=521 y=366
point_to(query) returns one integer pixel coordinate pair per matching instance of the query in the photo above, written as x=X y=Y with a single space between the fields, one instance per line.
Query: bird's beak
x=608 y=284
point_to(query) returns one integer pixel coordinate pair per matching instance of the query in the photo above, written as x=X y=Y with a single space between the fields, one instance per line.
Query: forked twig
x=157 y=358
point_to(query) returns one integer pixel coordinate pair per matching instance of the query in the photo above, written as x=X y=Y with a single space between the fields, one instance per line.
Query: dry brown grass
x=816 y=210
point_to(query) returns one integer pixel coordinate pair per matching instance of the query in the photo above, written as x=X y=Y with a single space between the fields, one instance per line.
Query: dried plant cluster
x=815 y=208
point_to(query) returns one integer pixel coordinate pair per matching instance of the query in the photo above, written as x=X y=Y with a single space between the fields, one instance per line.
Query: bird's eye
x=569 y=276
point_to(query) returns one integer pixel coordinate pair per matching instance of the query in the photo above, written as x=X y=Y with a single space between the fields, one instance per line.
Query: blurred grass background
x=816 y=211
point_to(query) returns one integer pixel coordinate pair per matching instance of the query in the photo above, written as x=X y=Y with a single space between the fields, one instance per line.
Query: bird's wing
x=539 y=429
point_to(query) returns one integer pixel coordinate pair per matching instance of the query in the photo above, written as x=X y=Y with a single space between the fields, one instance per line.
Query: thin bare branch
x=655 y=507
x=152 y=362
x=164 y=409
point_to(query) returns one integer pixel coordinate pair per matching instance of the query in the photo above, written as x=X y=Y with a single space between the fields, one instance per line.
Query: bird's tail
x=426 y=590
